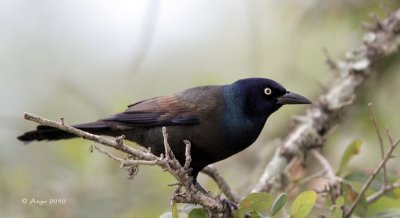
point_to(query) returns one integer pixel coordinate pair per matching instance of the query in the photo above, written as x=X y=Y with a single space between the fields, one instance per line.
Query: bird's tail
x=50 y=133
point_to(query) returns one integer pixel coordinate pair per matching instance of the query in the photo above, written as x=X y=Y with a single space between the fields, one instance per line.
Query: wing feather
x=165 y=110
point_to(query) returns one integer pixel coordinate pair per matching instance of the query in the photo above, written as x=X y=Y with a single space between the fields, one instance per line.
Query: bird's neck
x=238 y=122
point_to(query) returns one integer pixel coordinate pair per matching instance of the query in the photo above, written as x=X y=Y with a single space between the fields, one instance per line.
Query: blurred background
x=84 y=60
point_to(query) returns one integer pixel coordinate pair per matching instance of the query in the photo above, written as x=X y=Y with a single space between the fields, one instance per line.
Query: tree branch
x=378 y=133
x=325 y=164
x=332 y=188
x=193 y=194
x=382 y=40
x=372 y=198
x=212 y=172
x=101 y=140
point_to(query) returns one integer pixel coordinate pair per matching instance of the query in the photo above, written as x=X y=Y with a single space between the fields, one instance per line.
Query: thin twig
x=212 y=172
x=142 y=162
x=331 y=63
x=188 y=159
x=386 y=188
x=378 y=133
x=108 y=154
x=325 y=164
x=366 y=185
x=317 y=175
x=390 y=138
x=333 y=189
x=166 y=145
x=372 y=198
x=101 y=140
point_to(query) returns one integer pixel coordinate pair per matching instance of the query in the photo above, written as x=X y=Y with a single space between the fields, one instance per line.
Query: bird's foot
x=192 y=182
x=230 y=207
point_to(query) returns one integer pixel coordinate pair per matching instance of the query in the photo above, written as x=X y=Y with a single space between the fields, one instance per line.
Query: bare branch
x=325 y=164
x=372 y=198
x=378 y=133
x=108 y=154
x=212 y=172
x=332 y=188
x=101 y=140
x=168 y=154
x=349 y=211
x=317 y=175
x=188 y=159
x=386 y=188
x=330 y=62
x=328 y=110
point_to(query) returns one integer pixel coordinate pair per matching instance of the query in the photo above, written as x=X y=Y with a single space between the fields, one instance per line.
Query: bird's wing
x=160 y=111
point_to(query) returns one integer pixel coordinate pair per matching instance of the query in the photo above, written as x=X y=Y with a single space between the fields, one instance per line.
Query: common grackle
x=218 y=120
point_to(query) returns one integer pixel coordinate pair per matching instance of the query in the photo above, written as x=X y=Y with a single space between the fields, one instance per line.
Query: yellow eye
x=267 y=91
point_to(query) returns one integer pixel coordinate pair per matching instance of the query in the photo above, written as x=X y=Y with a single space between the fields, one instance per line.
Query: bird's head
x=264 y=96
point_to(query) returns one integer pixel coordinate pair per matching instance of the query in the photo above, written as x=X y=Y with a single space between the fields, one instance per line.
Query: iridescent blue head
x=263 y=96
x=248 y=104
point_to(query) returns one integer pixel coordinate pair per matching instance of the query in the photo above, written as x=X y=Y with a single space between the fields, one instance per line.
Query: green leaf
x=260 y=202
x=197 y=213
x=337 y=210
x=362 y=207
x=350 y=196
x=361 y=177
x=186 y=208
x=175 y=211
x=351 y=150
x=278 y=203
x=384 y=204
x=348 y=193
x=303 y=204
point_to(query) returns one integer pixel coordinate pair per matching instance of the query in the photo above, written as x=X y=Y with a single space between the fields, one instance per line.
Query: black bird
x=218 y=120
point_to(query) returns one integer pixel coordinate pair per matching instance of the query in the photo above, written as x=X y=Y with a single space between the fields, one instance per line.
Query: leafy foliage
x=349 y=197
x=337 y=211
x=197 y=213
x=278 y=203
x=255 y=202
x=303 y=204
x=175 y=211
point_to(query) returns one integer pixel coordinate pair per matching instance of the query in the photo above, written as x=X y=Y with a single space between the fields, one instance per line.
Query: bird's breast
x=239 y=132
x=239 y=128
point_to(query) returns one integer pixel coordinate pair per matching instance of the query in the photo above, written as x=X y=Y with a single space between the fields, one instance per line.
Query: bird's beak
x=293 y=98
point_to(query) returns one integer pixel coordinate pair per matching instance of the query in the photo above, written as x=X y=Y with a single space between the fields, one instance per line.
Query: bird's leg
x=192 y=182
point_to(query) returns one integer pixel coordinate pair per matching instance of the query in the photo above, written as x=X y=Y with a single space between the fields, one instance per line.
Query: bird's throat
x=239 y=129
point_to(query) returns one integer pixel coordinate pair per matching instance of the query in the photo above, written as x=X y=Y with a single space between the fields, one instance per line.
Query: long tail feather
x=50 y=133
